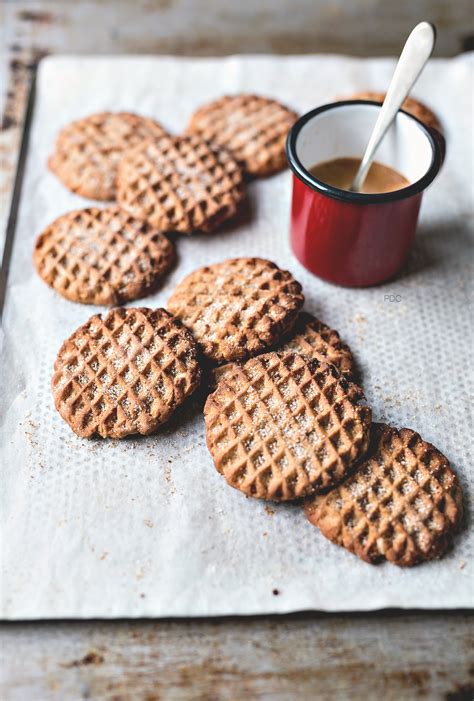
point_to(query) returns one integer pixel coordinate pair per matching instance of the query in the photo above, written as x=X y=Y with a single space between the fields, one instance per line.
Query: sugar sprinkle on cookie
x=252 y=127
x=401 y=505
x=181 y=184
x=309 y=337
x=124 y=373
x=87 y=152
x=102 y=256
x=237 y=308
x=284 y=426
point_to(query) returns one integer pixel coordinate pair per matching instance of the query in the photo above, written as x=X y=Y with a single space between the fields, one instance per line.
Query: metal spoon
x=416 y=52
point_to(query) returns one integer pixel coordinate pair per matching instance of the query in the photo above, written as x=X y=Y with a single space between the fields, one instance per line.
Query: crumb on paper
x=361 y=322
x=148 y=522
x=269 y=510
x=462 y=564
x=141 y=571
x=30 y=427
x=392 y=401
x=169 y=479
x=265 y=533
x=91 y=657
x=103 y=555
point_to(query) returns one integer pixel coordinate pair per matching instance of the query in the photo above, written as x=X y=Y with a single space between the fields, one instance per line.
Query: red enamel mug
x=351 y=238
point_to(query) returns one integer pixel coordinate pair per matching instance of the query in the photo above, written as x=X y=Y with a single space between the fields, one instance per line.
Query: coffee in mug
x=340 y=173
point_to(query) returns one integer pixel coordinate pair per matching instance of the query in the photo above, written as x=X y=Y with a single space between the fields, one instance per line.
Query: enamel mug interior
x=343 y=130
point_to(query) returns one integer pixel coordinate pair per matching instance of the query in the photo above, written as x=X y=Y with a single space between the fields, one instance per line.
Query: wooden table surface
x=306 y=656
x=390 y=655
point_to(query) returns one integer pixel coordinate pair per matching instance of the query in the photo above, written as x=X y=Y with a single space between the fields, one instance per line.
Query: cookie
x=414 y=107
x=88 y=151
x=125 y=373
x=237 y=308
x=284 y=426
x=401 y=505
x=180 y=184
x=253 y=128
x=309 y=337
x=314 y=339
x=102 y=256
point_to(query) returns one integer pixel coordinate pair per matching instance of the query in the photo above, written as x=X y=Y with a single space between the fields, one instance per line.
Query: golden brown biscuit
x=237 y=308
x=88 y=151
x=125 y=373
x=402 y=504
x=284 y=426
x=102 y=256
x=180 y=184
x=253 y=128
x=314 y=339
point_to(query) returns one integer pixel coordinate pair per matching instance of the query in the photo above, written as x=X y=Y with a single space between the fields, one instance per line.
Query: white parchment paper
x=146 y=527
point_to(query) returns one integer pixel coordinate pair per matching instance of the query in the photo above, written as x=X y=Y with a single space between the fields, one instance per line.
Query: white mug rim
x=415 y=188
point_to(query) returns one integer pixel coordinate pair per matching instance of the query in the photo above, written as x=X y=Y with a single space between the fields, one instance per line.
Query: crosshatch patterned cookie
x=180 y=184
x=88 y=151
x=414 y=107
x=402 y=504
x=253 y=128
x=309 y=337
x=125 y=373
x=237 y=308
x=102 y=256
x=314 y=339
x=285 y=426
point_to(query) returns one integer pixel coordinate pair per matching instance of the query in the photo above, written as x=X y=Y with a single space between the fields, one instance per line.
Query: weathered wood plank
x=209 y=28
x=409 y=656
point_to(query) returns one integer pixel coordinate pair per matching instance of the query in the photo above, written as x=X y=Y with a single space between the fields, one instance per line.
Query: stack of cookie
x=286 y=420
x=161 y=183
x=128 y=372
x=284 y=417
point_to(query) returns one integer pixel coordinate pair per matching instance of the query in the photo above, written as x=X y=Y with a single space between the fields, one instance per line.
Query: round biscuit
x=124 y=373
x=401 y=505
x=180 y=184
x=252 y=127
x=285 y=426
x=237 y=308
x=102 y=256
x=87 y=152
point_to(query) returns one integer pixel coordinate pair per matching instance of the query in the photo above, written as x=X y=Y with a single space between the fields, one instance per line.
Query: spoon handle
x=416 y=52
